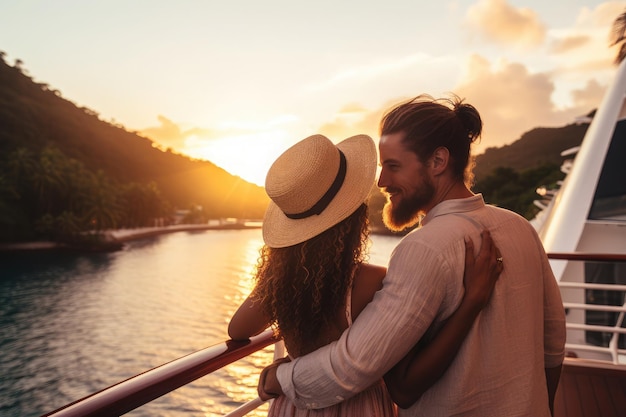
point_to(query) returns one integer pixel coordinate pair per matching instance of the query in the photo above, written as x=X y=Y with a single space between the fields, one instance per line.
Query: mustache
x=390 y=190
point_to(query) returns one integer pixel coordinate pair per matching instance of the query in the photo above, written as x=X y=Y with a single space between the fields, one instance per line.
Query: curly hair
x=303 y=287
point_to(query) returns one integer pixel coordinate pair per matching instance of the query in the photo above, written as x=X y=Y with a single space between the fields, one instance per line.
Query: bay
x=71 y=325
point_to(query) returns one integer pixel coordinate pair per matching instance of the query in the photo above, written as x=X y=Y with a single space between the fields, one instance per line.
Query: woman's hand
x=269 y=387
x=482 y=271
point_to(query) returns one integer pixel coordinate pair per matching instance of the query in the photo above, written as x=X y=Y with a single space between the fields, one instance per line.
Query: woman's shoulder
x=371 y=271
x=367 y=281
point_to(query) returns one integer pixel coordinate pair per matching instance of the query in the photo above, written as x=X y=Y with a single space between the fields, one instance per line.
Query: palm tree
x=48 y=180
x=100 y=205
x=618 y=36
x=66 y=226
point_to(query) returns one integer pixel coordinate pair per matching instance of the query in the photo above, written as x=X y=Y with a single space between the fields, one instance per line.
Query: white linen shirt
x=499 y=369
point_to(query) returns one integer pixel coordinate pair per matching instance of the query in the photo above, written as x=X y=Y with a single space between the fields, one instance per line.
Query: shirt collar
x=457 y=205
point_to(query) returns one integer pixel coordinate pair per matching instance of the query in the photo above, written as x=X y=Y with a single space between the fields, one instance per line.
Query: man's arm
x=385 y=331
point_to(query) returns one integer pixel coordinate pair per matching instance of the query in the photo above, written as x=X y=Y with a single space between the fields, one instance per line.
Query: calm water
x=72 y=325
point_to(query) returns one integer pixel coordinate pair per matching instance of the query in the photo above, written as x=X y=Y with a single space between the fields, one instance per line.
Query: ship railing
x=612 y=350
x=139 y=390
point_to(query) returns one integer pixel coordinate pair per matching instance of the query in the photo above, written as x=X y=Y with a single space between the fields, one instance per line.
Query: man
x=510 y=362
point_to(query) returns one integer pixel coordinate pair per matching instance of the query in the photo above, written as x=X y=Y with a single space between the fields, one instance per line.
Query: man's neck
x=450 y=190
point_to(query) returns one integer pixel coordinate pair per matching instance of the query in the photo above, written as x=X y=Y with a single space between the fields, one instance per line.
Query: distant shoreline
x=114 y=239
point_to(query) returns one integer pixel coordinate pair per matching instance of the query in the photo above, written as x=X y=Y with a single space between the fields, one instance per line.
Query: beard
x=409 y=210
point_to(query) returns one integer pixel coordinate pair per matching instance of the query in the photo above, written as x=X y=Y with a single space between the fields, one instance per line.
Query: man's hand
x=268 y=383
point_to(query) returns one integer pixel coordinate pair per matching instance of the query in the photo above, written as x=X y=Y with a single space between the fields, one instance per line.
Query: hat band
x=330 y=194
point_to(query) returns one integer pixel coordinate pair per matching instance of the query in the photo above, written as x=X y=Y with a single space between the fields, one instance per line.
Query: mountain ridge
x=35 y=116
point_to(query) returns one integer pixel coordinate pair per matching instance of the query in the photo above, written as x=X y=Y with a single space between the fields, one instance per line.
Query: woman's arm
x=249 y=320
x=427 y=362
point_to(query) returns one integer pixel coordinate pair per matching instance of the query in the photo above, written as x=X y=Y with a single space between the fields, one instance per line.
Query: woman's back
x=367 y=280
x=374 y=401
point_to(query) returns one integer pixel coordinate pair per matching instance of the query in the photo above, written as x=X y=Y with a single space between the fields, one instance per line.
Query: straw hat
x=312 y=189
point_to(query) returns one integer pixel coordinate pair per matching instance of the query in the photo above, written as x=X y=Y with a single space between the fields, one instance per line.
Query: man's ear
x=439 y=160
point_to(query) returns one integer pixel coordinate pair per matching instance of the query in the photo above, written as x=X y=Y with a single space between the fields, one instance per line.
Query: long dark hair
x=303 y=287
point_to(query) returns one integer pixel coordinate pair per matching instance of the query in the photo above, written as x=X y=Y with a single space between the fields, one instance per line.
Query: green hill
x=538 y=147
x=510 y=175
x=34 y=117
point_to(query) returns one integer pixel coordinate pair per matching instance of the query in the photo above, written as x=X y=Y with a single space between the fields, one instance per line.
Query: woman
x=312 y=279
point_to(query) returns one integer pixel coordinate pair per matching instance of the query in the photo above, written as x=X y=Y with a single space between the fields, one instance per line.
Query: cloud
x=567 y=44
x=602 y=16
x=170 y=134
x=357 y=119
x=518 y=100
x=353 y=108
x=599 y=23
x=589 y=96
x=583 y=48
x=499 y=22
x=515 y=101
x=367 y=71
x=348 y=124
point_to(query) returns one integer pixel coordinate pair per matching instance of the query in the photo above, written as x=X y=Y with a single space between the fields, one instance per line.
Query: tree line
x=50 y=195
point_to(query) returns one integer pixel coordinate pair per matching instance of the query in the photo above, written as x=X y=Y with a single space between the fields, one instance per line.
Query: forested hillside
x=50 y=147
x=509 y=176
x=538 y=147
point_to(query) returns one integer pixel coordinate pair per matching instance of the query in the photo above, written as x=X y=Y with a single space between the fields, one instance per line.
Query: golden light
x=248 y=156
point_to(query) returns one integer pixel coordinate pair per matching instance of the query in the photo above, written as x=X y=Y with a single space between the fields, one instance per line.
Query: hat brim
x=279 y=231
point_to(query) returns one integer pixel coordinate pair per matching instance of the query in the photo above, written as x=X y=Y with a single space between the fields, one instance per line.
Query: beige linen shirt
x=498 y=371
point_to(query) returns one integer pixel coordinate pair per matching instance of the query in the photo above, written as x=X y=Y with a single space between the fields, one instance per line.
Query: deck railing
x=134 y=392
x=617 y=355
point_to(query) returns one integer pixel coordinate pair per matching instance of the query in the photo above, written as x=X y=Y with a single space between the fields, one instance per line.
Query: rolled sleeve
x=313 y=392
x=284 y=374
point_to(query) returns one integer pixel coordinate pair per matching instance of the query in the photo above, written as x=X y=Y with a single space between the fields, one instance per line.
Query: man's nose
x=382 y=179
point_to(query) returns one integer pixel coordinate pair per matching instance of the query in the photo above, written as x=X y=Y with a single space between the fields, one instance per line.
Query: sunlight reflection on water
x=72 y=325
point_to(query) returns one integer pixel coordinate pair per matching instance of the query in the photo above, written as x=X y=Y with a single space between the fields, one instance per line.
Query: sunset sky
x=237 y=82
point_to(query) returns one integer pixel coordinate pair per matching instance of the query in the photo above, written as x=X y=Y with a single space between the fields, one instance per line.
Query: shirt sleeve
x=384 y=332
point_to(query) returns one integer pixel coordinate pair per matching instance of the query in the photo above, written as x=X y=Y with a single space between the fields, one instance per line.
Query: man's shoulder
x=438 y=233
x=504 y=214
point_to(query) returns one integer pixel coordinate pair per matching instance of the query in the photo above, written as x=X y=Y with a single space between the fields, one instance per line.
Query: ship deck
x=591 y=389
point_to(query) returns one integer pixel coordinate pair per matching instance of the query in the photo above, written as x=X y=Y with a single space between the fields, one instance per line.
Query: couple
x=445 y=336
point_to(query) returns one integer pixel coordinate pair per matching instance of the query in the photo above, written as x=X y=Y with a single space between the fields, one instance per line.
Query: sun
x=248 y=156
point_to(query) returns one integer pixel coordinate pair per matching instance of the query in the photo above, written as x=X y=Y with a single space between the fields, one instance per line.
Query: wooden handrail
x=136 y=391
x=587 y=256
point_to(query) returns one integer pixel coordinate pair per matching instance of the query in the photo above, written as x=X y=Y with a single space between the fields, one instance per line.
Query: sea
x=73 y=324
